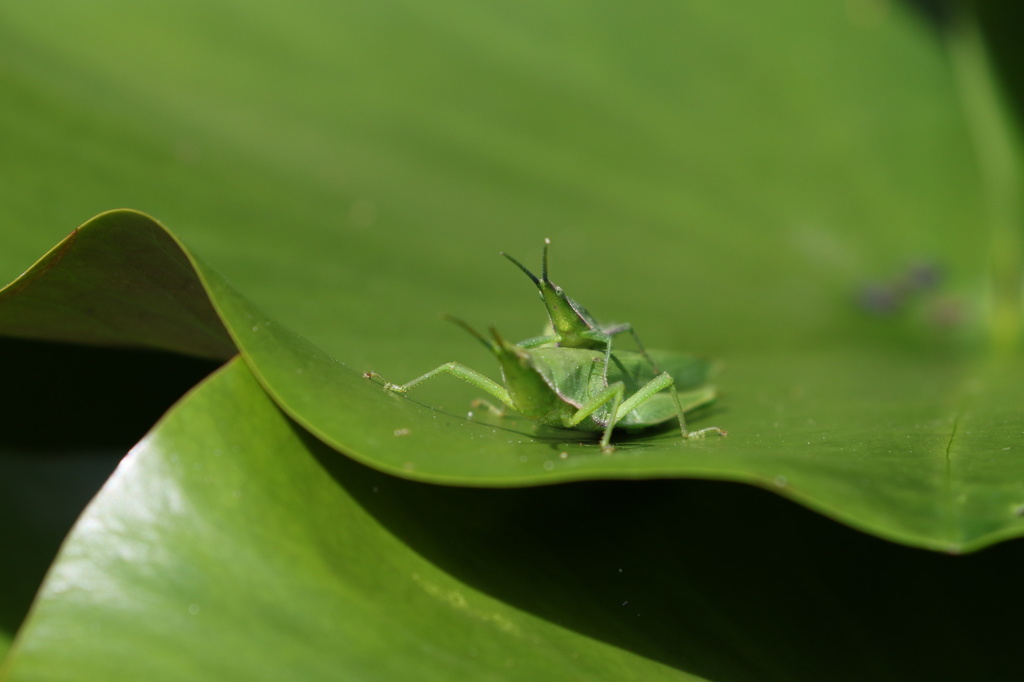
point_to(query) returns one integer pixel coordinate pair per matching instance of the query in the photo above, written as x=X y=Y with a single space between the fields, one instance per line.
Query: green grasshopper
x=579 y=388
x=571 y=326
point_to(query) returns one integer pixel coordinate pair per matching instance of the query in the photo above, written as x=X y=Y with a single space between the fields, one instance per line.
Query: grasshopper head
x=568 y=318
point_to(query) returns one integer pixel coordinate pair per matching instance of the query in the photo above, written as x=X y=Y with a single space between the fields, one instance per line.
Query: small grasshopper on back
x=576 y=388
x=570 y=324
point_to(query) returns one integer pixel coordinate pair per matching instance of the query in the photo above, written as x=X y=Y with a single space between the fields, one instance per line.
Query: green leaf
x=194 y=546
x=229 y=544
x=124 y=282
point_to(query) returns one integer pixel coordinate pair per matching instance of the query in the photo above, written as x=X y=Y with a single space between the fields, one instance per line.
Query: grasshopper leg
x=458 y=370
x=613 y=393
x=620 y=408
x=699 y=433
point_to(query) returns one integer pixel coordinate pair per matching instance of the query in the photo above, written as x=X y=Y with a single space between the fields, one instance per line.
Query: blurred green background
x=725 y=179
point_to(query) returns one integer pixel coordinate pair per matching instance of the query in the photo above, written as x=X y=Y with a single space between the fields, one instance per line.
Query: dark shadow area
x=937 y=12
x=1002 y=24
x=721 y=580
x=40 y=499
x=68 y=415
x=56 y=397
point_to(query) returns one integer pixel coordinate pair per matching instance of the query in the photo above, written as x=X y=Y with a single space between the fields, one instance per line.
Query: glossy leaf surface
x=196 y=555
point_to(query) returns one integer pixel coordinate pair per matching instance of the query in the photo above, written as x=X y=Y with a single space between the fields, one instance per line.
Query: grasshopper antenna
x=544 y=268
x=479 y=337
x=527 y=270
x=497 y=337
